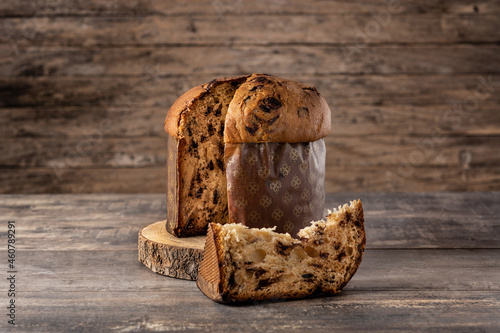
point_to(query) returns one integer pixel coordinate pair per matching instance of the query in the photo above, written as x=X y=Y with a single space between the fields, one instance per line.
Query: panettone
x=248 y=149
x=242 y=264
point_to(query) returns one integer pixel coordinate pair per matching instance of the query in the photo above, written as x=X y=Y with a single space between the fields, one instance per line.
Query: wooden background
x=85 y=86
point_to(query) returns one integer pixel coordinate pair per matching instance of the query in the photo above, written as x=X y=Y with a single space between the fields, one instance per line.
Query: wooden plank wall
x=414 y=86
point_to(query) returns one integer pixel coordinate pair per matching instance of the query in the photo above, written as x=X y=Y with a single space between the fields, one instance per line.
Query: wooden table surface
x=432 y=263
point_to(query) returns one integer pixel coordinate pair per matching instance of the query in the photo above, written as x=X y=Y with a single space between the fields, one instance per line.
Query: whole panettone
x=248 y=150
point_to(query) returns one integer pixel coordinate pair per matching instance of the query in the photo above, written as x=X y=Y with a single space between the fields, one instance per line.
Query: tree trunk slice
x=168 y=255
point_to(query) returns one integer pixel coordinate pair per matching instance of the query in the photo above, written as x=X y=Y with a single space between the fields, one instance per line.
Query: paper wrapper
x=276 y=184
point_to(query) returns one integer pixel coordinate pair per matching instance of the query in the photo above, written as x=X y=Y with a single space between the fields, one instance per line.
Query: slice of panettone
x=243 y=264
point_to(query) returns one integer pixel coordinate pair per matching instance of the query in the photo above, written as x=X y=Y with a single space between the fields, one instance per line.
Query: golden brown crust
x=173 y=119
x=180 y=105
x=271 y=109
x=264 y=109
x=205 y=120
x=241 y=264
x=209 y=273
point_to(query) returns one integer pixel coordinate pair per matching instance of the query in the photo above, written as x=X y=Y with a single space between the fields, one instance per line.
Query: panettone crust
x=264 y=108
x=242 y=264
x=271 y=109
x=258 y=109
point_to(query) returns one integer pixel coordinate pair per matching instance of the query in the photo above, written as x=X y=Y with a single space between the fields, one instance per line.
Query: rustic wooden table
x=432 y=263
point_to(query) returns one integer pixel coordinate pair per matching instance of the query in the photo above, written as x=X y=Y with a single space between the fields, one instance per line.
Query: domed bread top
x=263 y=109
x=271 y=109
x=173 y=121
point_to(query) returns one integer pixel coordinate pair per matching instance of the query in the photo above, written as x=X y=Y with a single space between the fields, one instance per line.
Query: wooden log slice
x=169 y=255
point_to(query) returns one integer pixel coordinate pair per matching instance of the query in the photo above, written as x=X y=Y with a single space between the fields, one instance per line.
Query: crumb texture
x=258 y=111
x=259 y=264
x=202 y=181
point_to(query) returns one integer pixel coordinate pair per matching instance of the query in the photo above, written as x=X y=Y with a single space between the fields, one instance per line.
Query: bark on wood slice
x=168 y=255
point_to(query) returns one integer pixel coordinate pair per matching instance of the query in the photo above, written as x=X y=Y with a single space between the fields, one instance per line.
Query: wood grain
x=406 y=177
x=97 y=150
x=280 y=60
x=96 y=163
x=92 y=180
x=338 y=90
x=110 y=222
x=79 y=269
x=400 y=177
x=168 y=255
x=358 y=120
x=72 y=72
x=255 y=30
x=224 y=8
x=461 y=311
x=397 y=270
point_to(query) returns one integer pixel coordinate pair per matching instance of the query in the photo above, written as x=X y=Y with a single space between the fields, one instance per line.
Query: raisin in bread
x=267 y=132
x=242 y=264
x=196 y=180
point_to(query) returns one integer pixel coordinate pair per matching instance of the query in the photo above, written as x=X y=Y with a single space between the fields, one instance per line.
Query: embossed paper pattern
x=276 y=184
